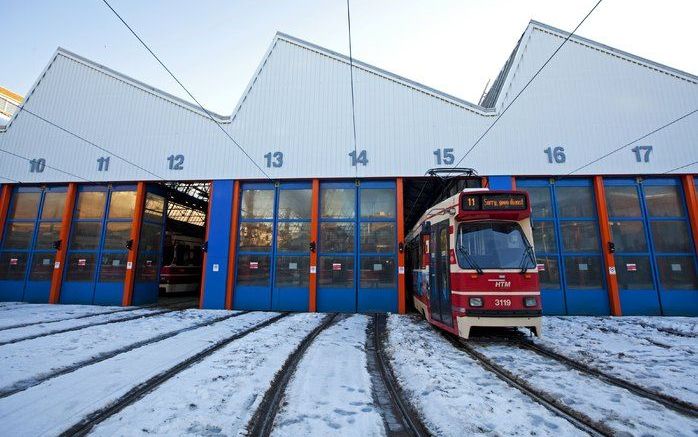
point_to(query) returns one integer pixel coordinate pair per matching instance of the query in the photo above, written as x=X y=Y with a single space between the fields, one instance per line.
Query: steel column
x=401 y=247
x=609 y=260
x=204 y=260
x=689 y=189
x=132 y=260
x=314 y=218
x=5 y=194
x=234 y=223
x=59 y=264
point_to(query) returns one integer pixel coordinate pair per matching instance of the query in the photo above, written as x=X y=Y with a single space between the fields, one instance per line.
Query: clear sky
x=215 y=46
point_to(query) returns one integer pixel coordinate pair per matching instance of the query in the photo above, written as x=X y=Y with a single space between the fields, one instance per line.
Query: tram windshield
x=493 y=245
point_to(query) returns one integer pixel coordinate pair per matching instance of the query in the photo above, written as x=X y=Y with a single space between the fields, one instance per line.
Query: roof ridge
x=386 y=74
x=615 y=52
x=141 y=85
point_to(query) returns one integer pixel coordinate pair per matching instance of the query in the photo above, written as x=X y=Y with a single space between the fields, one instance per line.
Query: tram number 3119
x=502 y=302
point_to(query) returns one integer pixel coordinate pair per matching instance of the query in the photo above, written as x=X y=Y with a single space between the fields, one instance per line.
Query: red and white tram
x=181 y=270
x=473 y=263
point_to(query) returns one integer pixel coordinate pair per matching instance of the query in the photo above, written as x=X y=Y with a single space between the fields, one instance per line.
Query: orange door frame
x=235 y=218
x=132 y=260
x=609 y=260
x=59 y=264
x=314 y=217
x=689 y=188
x=401 y=248
x=5 y=194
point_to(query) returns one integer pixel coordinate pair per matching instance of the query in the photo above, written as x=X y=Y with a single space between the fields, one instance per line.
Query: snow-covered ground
x=618 y=408
x=455 y=395
x=10 y=335
x=26 y=361
x=51 y=382
x=332 y=396
x=217 y=396
x=625 y=348
x=14 y=313
x=57 y=404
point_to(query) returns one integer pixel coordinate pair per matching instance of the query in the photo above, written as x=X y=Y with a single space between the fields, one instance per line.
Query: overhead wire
x=21 y=109
x=499 y=116
x=680 y=167
x=550 y=58
x=48 y=166
x=351 y=81
x=133 y=32
x=636 y=140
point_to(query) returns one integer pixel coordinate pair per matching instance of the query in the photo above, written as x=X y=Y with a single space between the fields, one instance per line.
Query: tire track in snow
x=31 y=382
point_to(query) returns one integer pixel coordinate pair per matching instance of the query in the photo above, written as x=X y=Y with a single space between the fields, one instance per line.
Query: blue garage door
x=655 y=257
x=568 y=246
x=149 y=260
x=357 y=228
x=97 y=252
x=273 y=254
x=28 y=248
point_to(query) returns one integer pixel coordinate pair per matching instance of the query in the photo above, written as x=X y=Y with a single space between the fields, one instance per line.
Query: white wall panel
x=589 y=100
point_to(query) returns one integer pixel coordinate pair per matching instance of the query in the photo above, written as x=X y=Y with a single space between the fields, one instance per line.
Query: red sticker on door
x=254 y=265
x=631 y=267
x=336 y=266
x=541 y=267
x=82 y=262
x=13 y=261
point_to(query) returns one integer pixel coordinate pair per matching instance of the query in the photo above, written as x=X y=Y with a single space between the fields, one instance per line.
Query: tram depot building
x=98 y=167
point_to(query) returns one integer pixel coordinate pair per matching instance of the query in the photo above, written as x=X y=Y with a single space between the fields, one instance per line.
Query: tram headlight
x=530 y=302
x=475 y=301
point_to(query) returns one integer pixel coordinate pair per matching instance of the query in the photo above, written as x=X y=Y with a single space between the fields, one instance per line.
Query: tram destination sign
x=494 y=202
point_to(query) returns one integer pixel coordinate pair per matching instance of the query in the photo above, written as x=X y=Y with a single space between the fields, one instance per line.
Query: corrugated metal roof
x=589 y=99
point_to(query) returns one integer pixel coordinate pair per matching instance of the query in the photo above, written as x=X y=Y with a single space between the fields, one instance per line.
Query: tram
x=472 y=263
x=181 y=269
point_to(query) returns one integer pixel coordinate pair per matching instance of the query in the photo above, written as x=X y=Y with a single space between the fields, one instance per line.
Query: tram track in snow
x=31 y=382
x=262 y=421
x=670 y=402
x=87 y=423
x=576 y=418
x=84 y=316
x=80 y=327
x=399 y=416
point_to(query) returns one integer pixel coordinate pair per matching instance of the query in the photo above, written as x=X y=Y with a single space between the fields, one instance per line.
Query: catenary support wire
x=499 y=116
x=351 y=81
x=617 y=149
x=133 y=32
x=21 y=109
x=475 y=144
